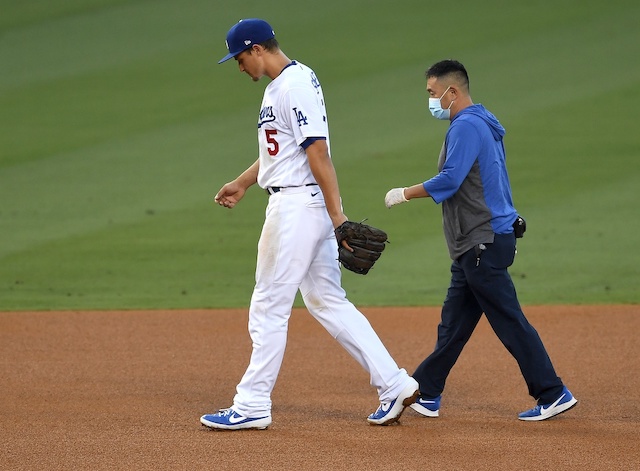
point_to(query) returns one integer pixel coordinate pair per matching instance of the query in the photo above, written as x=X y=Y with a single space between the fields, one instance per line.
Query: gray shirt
x=466 y=218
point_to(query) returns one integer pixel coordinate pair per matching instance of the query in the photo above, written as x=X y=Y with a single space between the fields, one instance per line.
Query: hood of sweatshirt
x=478 y=110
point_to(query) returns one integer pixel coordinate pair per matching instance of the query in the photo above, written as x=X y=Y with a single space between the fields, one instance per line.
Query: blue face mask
x=435 y=106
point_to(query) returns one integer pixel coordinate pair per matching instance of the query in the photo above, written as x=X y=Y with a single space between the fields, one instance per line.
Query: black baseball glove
x=367 y=243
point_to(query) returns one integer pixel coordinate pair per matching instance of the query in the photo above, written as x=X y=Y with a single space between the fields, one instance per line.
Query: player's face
x=250 y=64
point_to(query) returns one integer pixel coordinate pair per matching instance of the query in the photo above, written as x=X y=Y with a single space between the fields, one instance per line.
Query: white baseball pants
x=297 y=251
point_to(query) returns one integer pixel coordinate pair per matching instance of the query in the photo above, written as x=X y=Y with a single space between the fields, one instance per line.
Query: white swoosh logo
x=543 y=410
x=386 y=407
x=422 y=401
x=234 y=419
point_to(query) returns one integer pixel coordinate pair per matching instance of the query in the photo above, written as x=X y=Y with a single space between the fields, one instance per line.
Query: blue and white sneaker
x=427 y=407
x=390 y=412
x=545 y=411
x=228 y=419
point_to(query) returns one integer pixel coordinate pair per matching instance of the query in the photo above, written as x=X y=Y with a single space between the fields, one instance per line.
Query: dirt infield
x=125 y=390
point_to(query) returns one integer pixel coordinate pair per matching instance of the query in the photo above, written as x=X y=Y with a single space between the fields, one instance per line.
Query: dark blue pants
x=487 y=288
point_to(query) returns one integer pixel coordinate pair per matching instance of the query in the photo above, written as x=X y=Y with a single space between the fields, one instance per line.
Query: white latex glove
x=395 y=196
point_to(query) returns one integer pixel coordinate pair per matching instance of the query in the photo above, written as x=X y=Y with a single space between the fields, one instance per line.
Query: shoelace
x=225 y=412
x=534 y=410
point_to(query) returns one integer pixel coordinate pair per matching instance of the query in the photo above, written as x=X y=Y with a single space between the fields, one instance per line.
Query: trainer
x=480 y=227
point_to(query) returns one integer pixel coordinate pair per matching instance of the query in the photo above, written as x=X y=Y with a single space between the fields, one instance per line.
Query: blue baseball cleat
x=545 y=411
x=228 y=419
x=390 y=412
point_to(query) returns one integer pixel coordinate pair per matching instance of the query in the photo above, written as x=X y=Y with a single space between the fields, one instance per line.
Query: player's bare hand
x=395 y=196
x=229 y=195
x=337 y=220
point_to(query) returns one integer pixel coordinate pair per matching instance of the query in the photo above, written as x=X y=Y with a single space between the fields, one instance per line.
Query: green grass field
x=118 y=127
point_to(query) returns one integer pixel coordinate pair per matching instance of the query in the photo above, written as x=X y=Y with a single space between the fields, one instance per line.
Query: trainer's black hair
x=449 y=67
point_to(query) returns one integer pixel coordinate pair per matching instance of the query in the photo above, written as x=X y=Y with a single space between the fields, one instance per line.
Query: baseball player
x=297 y=249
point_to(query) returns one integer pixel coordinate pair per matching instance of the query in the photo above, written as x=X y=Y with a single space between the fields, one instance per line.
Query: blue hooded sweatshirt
x=472 y=183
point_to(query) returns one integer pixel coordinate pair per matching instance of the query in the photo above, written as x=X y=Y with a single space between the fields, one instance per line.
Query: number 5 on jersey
x=272 y=145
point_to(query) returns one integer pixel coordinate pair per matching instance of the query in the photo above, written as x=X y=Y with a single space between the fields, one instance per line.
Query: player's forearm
x=249 y=176
x=325 y=175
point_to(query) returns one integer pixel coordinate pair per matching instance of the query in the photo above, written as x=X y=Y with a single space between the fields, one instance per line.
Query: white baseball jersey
x=292 y=110
x=297 y=251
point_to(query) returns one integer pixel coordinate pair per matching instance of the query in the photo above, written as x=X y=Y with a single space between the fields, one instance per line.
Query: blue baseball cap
x=245 y=34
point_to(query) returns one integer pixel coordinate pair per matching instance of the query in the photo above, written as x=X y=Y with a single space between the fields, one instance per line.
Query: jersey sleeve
x=463 y=143
x=305 y=111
